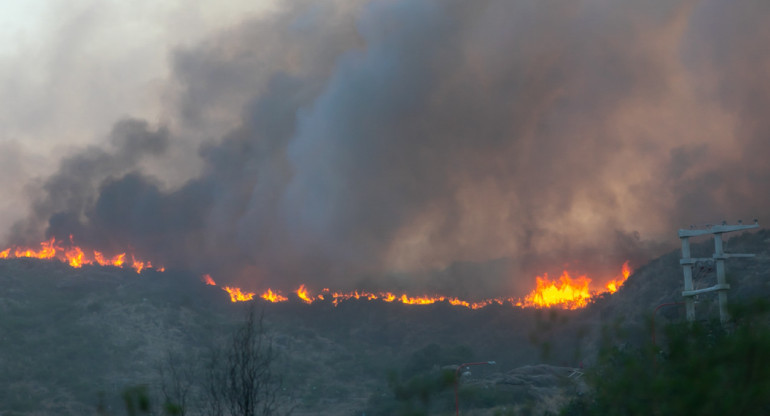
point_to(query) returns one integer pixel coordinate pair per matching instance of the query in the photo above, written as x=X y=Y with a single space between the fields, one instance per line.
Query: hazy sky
x=71 y=69
x=393 y=143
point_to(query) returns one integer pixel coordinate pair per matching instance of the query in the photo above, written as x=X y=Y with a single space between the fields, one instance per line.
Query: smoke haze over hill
x=428 y=144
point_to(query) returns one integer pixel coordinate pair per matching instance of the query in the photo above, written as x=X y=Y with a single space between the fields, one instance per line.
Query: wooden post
x=719 y=258
x=688 y=286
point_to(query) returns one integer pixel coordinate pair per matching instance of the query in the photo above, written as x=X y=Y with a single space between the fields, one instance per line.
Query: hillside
x=70 y=336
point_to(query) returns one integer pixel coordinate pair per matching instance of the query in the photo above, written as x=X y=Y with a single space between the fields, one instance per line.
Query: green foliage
x=703 y=369
x=418 y=395
x=137 y=400
x=422 y=387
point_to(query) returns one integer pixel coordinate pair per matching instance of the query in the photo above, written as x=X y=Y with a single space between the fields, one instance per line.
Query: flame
x=74 y=255
x=139 y=265
x=206 y=278
x=116 y=260
x=303 y=294
x=567 y=293
x=236 y=295
x=421 y=300
x=47 y=251
x=338 y=297
x=615 y=284
x=269 y=295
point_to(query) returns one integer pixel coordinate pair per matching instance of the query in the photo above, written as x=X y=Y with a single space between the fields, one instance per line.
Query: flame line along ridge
x=565 y=292
x=77 y=257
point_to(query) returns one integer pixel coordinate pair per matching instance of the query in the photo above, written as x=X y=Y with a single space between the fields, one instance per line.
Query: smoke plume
x=462 y=146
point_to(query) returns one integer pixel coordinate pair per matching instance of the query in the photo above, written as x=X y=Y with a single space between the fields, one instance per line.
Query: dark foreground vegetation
x=235 y=377
x=701 y=369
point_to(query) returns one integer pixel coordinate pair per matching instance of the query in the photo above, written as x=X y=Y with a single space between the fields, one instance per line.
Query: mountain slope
x=69 y=335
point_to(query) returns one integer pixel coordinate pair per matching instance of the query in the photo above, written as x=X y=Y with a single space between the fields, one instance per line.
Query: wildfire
x=117 y=260
x=269 y=295
x=569 y=293
x=303 y=294
x=74 y=255
x=566 y=292
x=236 y=295
x=615 y=284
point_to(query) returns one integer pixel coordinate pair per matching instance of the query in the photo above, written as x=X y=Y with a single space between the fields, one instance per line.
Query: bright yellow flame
x=303 y=295
x=73 y=255
x=615 y=284
x=236 y=295
x=567 y=293
x=116 y=260
x=269 y=295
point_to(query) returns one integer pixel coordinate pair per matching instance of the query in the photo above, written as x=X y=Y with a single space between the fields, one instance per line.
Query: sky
x=432 y=145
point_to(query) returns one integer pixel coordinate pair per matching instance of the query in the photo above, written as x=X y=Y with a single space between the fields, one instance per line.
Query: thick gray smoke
x=460 y=146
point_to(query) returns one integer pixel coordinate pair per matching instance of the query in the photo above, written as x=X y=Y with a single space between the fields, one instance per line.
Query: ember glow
x=74 y=255
x=206 y=278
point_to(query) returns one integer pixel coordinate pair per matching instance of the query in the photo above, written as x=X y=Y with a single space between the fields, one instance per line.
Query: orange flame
x=206 y=278
x=236 y=295
x=269 y=295
x=73 y=255
x=615 y=284
x=139 y=265
x=420 y=300
x=566 y=292
x=337 y=297
x=117 y=260
x=303 y=294
x=47 y=251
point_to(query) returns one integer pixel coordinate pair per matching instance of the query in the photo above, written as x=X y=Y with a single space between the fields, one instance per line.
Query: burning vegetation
x=565 y=293
x=76 y=256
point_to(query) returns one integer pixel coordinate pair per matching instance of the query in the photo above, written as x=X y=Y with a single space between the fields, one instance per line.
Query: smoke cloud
x=454 y=146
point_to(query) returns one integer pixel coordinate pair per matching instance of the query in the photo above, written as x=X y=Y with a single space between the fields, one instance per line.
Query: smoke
x=438 y=145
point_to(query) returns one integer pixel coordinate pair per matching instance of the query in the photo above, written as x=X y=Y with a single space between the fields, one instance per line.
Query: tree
x=239 y=376
x=176 y=383
x=235 y=378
